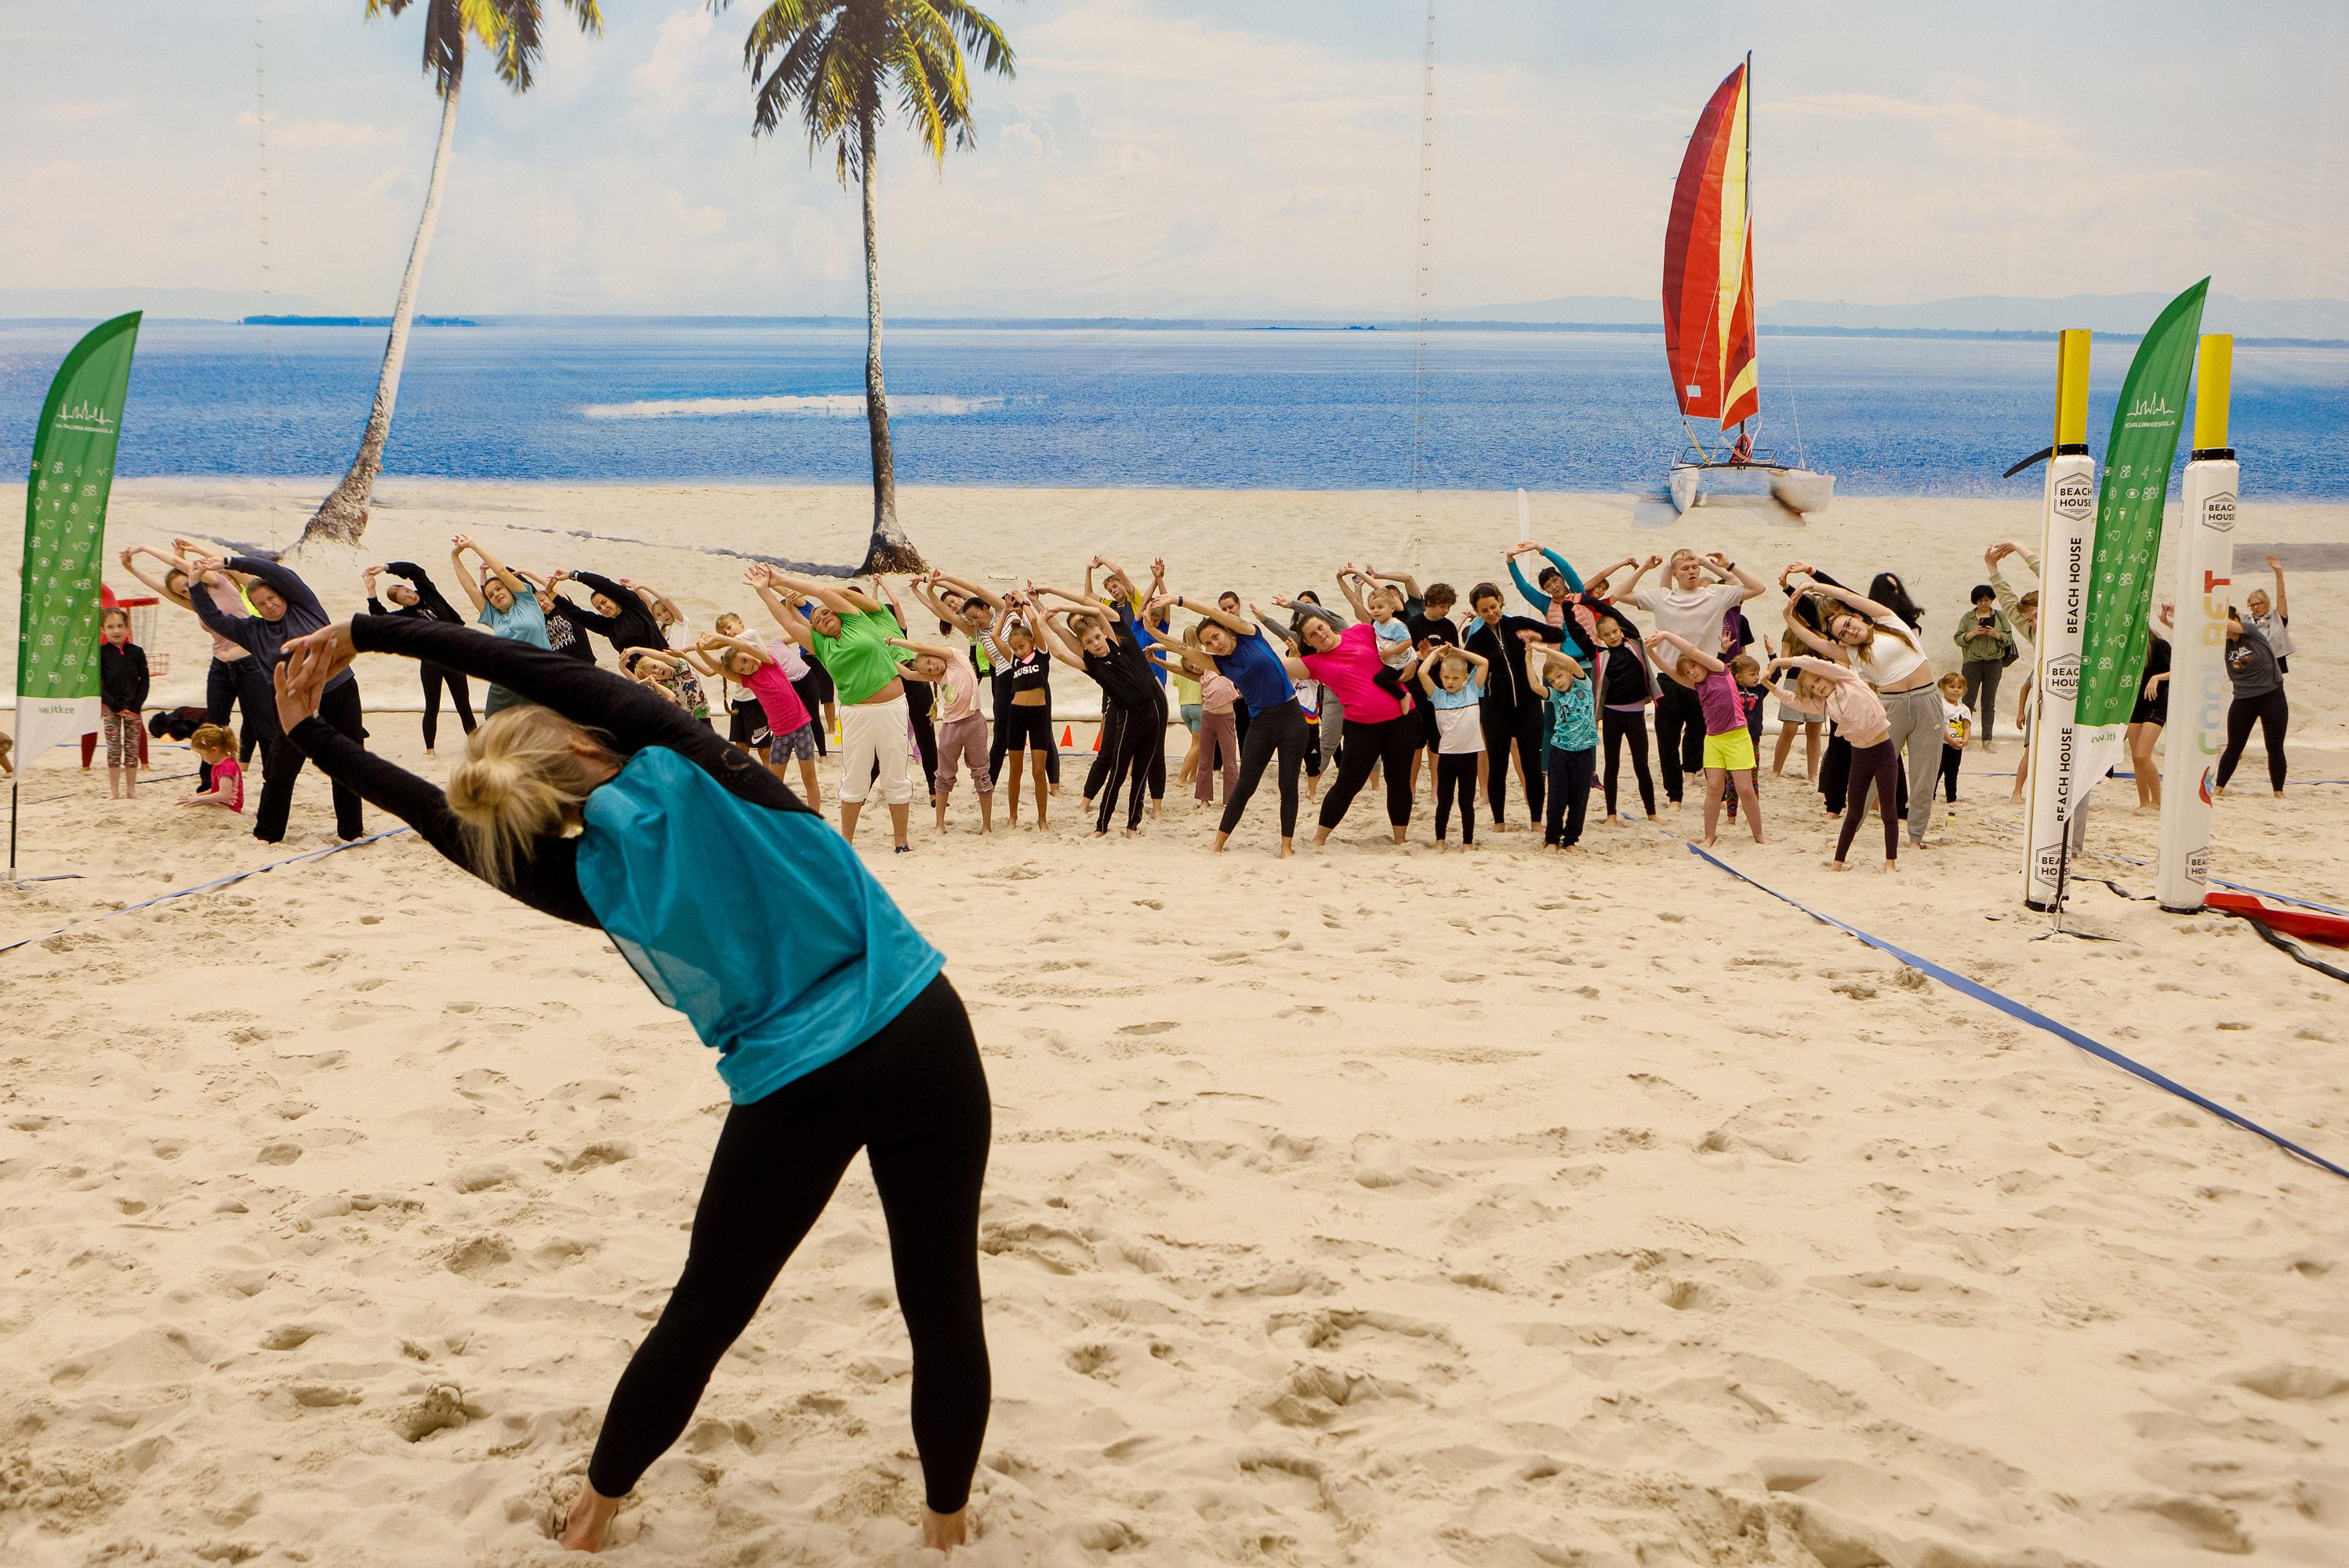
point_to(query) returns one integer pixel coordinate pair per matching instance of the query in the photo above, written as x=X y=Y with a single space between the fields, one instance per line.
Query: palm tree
x=510 y=30
x=838 y=62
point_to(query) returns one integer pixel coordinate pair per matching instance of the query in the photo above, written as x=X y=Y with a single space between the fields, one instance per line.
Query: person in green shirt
x=847 y=632
x=1985 y=641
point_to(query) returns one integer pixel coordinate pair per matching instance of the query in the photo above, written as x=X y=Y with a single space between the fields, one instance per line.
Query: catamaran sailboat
x=1709 y=338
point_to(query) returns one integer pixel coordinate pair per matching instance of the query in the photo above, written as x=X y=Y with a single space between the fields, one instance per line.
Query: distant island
x=351 y=321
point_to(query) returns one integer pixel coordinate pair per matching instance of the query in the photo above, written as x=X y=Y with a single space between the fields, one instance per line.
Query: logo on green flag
x=64 y=539
x=2138 y=462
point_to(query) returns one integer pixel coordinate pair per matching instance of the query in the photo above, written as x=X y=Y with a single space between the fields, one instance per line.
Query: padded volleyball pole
x=2203 y=561
x=2067 y=537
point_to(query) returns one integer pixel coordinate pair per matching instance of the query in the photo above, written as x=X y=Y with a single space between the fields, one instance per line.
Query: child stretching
x=1218 y=743
x=1729 y=757
x=216 y=748
x=1459 y=736
x=789 y=729
x=1957 y=726
x=961 y=734
x=1841 y=694
x=1572 y=752
x=122 y=692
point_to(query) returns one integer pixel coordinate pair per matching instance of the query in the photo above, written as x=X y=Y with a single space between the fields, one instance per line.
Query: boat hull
x=1802 y=490
x=1685 y=481
x=1805 y=491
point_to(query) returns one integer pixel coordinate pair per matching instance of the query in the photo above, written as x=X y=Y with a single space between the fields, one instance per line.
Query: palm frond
x=980 y=35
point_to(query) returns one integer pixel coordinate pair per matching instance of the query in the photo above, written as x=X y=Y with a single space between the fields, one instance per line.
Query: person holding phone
x=1986 y=645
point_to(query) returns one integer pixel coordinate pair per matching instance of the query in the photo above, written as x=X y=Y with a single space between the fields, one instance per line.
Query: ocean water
x=1086 y=408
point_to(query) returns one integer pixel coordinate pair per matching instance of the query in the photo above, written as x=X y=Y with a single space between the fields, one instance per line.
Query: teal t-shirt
x=760 y=926
x=1573 y=722
x=860 y=660
x=520 y=622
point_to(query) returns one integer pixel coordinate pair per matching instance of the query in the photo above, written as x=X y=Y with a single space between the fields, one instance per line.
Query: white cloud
x=1955 y=127
x=316 y=135
x=690 y=68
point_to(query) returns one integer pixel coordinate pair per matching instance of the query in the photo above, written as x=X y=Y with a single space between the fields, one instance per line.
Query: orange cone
x=1096 y=739
x=1068 y=738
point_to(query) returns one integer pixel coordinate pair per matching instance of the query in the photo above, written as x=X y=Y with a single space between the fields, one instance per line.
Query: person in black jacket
x=418 y=599
x=620 y=613
x=284 y=608
x=121 y=692
x=1513 y=710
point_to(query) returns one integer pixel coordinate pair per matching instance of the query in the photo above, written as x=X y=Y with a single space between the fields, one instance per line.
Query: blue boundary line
x=203 y=887
x=2031 y=1016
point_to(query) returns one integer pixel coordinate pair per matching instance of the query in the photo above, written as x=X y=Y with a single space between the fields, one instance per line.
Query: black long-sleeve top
x=121 y=676
x=1505 y=651
x=267 y=640
x=1626 y=668
x=634 y=627
x=629 y=715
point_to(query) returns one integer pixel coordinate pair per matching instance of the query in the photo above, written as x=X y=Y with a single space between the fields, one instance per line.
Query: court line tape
x=203 y=887
x=2032 y=1015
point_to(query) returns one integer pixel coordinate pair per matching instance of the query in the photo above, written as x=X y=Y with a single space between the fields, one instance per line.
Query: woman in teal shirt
x=834 y=1027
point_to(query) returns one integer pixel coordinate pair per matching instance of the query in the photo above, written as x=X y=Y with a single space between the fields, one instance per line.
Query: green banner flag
x=2138 y=460
x=64 y=539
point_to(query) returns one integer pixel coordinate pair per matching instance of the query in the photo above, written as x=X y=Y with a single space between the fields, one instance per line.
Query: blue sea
x=1090 y=407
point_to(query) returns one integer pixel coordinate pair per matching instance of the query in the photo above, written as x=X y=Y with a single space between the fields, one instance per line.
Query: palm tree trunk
x=342 y=517
x=888 y=549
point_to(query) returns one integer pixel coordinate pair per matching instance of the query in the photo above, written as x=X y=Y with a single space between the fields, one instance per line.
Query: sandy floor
x=1379 y=1207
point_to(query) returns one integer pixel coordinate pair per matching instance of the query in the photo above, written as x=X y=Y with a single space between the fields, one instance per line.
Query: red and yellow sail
x=1709 y=267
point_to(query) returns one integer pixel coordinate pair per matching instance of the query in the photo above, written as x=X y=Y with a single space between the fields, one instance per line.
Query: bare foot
x=590 y=1521
x=945 y=1531
x=1836 y=866
x=1708 y=842
x=1891 y=866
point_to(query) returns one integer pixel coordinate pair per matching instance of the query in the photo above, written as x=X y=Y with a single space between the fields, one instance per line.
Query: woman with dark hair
x=2258 y=700
x=1244 y=653
x=1381 y=730
x=598 y=801
x=1133 y=723
x=416 y=598
x=1865 y=633
x=1886 y=589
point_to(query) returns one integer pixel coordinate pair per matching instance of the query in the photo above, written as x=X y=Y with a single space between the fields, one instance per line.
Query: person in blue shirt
x=1559 y=584
x=598 y=801
x=1243 y=655
x=1454 y=682
x=503 y=603
x=1570 y=744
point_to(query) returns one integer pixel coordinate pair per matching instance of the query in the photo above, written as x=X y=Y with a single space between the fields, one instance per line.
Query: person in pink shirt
x=1381 y=727
x=790 y=732
x=1847 y=699
x=216 y=748
x=961 y=728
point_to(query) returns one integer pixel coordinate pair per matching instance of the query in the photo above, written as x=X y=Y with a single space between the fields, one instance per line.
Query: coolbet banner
x=64 y=539
x=2138 y=460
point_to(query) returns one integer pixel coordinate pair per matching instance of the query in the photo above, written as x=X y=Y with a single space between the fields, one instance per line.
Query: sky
x=1155 y=157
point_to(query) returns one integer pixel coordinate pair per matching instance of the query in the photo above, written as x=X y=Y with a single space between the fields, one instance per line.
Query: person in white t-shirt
x=1957 y=728
x=2273 y=617
x=1698 y=594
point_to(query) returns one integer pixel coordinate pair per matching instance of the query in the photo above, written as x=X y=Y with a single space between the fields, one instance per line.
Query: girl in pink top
x=1219 y=735
x=1859 y=713
x=790 y=733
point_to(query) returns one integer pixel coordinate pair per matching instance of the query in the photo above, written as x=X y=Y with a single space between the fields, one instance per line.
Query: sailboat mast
x=1749 y=223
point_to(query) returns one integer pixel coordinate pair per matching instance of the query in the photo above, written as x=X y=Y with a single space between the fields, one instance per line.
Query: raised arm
x=1350 y=582
x=288 y=585
x=1687 y=649
x=1826 y=667
x=515 y=584
x=919 y=650
x=840 y=601
x=969 y=589
x=1048 y=637
x=1639 y=569
x=129 y=559
x=1232 y=623
x=2282 y=609
x=1531 y=594
x=921 y=588
x=786 y=613
x=457 y=548
x=1409 y=583
x=1729 y=571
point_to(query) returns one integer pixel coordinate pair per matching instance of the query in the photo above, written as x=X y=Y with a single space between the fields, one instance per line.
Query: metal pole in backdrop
x=2066 y=541
x=64 y=547
x=2205 y=561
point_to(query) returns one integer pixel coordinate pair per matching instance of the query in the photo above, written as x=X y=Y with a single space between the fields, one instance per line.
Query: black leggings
x=281 y=767
x=1390 y=742
x=2273 y=714
x=1130 y=736
x=914 y=1098
x=1680 y=736
x=1879 y=765
x=458 y=699
x=1455 y=778
x=1951 y=755
x=1280 y=729
x=1097 y=774
x=1569 y=795
x=1521 y=727
x=1619 y=729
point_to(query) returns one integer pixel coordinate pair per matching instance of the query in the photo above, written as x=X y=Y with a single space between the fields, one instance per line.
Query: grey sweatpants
x=1918 y=729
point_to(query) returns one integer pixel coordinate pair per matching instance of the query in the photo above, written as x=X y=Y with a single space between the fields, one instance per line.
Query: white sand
x=1376 y=1207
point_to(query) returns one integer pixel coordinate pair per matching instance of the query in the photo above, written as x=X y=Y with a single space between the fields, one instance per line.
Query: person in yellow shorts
x=1728 y=744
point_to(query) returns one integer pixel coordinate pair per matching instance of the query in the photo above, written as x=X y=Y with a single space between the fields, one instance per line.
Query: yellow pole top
x=2214 y=374
x=2071 y=388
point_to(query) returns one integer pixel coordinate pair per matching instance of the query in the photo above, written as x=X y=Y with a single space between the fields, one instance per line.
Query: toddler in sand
x=216 y=748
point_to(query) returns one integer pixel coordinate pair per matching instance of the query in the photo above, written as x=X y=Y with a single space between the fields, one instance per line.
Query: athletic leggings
x=1879 y=765
x=1130 y=736
x=1098 y=773
x=1950 y=757
x=1280 y=729
x=1628 y=724
x=281 y=767
x=458 y=699
x=1569 y=795
x=124 y=737
x=1522 y=727
x=1455 y=778
x=1391 y=741
x=914 y=1098
x=2273 y=714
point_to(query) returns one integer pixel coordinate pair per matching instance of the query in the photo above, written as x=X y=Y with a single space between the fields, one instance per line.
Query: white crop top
x=1887 y=660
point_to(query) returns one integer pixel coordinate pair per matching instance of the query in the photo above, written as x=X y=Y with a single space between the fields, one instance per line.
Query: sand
x=1377 y=1207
